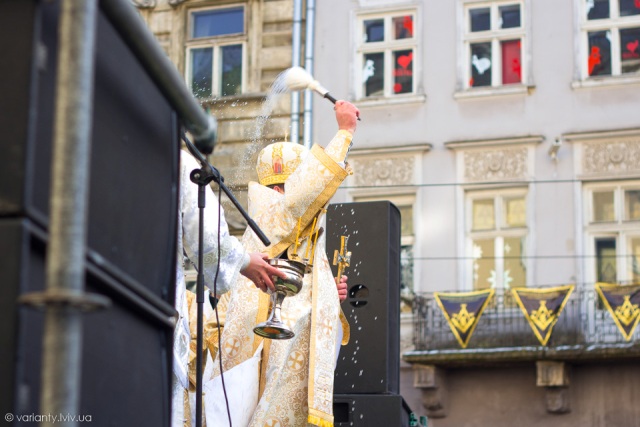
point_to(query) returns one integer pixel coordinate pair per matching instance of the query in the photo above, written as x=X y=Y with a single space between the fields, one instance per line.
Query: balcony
x=503 y=348
x=584 y=331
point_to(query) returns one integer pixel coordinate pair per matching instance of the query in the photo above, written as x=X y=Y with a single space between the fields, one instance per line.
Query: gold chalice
x=274 y=328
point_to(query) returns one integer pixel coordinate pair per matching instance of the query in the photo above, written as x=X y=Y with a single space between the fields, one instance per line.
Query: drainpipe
x=295 y=61
x=308 y=65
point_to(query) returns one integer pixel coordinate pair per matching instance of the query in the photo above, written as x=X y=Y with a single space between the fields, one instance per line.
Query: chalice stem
x=278 y=298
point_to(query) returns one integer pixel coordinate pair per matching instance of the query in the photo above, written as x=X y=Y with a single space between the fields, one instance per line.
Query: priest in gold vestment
x=289 y=382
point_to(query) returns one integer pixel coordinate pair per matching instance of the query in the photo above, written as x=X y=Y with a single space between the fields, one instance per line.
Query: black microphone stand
x=202 y=177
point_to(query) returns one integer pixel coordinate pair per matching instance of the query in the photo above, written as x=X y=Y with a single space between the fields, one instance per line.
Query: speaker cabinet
x=134 y=161
x=370 y=363
x=126 y=348
x=131 y=222
x=370 y=410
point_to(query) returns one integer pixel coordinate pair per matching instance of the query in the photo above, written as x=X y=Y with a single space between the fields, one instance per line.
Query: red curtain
x=511 y=62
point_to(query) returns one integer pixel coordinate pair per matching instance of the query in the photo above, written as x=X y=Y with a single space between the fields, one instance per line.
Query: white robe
x=233 y=259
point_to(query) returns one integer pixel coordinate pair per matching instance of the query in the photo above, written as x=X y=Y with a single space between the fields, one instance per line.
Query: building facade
x=508 y=135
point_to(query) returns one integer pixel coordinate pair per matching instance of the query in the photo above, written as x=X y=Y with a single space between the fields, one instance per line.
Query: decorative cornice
x=521 y=140
x=395 y=101
x=605 y=135
x=145 y=4
x=416 y=149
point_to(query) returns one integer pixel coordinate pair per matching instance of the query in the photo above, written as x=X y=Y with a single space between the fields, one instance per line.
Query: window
x=215 y=51
x=613 y=213
x=406 y=249
x=497 y=237
x=493 y=44
x=386 y=54
x=610 y=38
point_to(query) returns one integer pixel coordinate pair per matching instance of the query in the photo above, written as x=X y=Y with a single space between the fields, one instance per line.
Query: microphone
x=206 y=140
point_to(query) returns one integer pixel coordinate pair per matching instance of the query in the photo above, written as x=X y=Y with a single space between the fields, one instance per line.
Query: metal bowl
x=294 y=271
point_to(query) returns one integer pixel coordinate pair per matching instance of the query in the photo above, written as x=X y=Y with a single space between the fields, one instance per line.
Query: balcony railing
x=584 y=329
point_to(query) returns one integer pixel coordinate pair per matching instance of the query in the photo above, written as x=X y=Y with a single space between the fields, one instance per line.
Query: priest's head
x=277 y=161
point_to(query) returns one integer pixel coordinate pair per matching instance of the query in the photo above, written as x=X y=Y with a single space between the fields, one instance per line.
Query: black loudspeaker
x=126 y=348
x=370 y=410
x=132 y=219
x=370 y=363
x=134 y=147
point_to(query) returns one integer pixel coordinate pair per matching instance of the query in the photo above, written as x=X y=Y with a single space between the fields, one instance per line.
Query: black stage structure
x=139 y=103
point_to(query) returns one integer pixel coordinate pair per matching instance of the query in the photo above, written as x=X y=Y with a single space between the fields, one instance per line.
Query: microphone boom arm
x=215 y=176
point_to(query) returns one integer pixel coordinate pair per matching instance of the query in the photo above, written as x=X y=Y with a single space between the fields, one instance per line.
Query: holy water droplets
x=278 y=88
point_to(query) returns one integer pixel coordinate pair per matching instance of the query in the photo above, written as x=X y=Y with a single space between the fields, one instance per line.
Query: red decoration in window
x=517 y=68
x=594 y=58
x=631 y=47
x=511 y=66
x=631 y=50
x=408 y=24
x=397 y=88
x=637 y=3
x=471 y=82
x=405 y=60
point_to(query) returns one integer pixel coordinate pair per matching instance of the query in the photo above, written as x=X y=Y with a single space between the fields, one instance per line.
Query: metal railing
x=583 y=322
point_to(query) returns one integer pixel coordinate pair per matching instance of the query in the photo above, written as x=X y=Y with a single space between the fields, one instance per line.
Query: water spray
x=297 y=78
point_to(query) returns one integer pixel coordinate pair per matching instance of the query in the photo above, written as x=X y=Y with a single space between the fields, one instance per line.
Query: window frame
x=498 y=233
x=463 y=89
x=387 y=47
x=216 y=43
x=494 y=36
x=614 y=23
x=620 y=229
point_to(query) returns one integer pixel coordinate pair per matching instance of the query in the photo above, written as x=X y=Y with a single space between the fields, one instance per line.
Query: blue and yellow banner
x=542 y=308
x=462 y=311
x=622 y=302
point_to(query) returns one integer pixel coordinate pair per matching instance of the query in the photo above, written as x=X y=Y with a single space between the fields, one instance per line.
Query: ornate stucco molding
x=397 y=170
x=495 y=160
x=383 y=167
x=617 y=157
x=496 y=165
x=607 y=153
